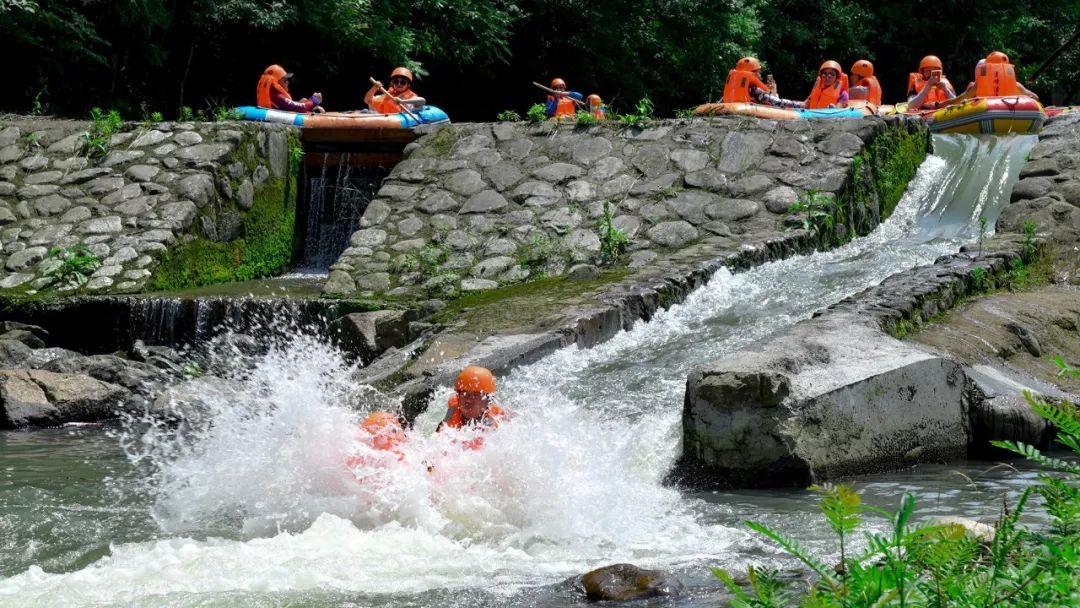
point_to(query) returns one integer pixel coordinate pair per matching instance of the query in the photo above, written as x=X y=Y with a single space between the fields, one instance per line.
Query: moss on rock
x=267 y=247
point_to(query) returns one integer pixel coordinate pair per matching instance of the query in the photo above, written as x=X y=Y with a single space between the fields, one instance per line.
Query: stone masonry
x=157 y=185
x=474 y=206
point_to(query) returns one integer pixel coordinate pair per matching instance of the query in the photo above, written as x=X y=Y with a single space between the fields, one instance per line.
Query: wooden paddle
x=558 y=93
x=404 y=107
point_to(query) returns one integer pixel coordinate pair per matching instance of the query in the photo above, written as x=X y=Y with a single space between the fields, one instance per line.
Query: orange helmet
x=402 y=72
x=748 y=64
x=831 y=65
x=594 y=99
x=385 y=429
x=862 y=69
x=931 y=62
x=997 y=57
x=557 y=82
x=276 y=72
x=475 y=379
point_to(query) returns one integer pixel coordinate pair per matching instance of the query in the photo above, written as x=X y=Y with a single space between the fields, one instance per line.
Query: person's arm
x=1027 y=91
x=369 y=97
x=576 y=95
x=842 y=101
x=550 y=105
x=914 y=103
x=415 y=102
x=280 y=102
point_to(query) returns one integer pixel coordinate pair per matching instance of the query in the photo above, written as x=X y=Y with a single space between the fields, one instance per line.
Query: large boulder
x=829 y=397
x=368 y=334
x=37 y=397
x=625 y=582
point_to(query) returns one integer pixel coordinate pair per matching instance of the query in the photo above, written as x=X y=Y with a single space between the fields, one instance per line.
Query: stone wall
x=474 y=206
x=158 y=193
x=1048 y=193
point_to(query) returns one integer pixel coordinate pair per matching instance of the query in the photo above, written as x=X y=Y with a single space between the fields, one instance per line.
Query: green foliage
x=684 y=112
x=543 y=255
x=185 y=114
x=613 y=241
x=265 y=249
x=585 y=118
x=640 y=117
x=1029 y=239
x=1019 y=275
x=222 y=113
x=508 y=116
x=977 y=279
x=818 y=215
x=103 y=125
x=537 y=113
x=920 y=565
x=428 y=260
x=76 y=264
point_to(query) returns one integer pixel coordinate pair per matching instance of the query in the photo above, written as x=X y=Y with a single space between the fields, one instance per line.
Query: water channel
x=252 y=506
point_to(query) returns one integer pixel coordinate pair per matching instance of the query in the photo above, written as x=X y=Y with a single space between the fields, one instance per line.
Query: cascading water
x=335 y=201
x=254 y=505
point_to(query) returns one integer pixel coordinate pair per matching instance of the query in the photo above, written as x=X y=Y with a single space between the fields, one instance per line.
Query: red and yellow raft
x=990 y=115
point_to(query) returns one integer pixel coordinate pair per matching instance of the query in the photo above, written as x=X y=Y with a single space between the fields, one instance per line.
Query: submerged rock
x=624 y=582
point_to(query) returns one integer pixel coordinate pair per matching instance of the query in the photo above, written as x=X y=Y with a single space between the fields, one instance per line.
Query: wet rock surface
x=626 y=582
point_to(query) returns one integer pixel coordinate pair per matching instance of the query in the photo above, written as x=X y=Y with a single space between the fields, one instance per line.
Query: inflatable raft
x=858 y=109
x=1052 y=111
x=991 y=115
x=346 y=120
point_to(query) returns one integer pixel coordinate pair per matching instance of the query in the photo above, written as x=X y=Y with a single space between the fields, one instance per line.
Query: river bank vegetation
x=939 y=564
x=147 y=56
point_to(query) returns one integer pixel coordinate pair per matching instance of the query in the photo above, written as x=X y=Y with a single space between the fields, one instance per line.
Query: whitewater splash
x=259 y=502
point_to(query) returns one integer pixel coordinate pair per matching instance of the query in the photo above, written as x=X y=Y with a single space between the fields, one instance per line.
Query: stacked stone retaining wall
x=475 y=206
x=167 y=205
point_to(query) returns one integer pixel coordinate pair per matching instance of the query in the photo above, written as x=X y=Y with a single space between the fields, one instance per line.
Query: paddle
x=558 y=93
x=404 y=107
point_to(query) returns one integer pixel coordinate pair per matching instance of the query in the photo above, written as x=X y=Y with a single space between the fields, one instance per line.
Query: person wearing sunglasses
x=273 y=92
x=400 y=94
x=563 y=102
x=829 y=90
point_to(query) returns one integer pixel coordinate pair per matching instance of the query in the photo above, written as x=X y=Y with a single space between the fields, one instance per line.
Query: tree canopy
x=477 y=57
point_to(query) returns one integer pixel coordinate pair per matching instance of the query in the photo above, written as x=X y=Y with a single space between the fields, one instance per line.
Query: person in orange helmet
x=866 y=84
x=829 y=90
x=929 y=88
x=382 y=431
x=273 y=92
x=744 y=84
x=401 y=94
x=472 y=403
x=563 y=102
x=995 y=76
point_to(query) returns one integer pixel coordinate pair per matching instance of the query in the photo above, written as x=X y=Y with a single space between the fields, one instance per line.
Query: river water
x=252 y=505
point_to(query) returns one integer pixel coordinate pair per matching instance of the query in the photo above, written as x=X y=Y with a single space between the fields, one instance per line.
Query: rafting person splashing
x=472 y=404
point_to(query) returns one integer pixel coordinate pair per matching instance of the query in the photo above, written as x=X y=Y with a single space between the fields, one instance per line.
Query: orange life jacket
x=454 y=420
x=873 y=89
x=823 y=97
x=565 y=106
x=995 y=80
x=385 y=105
x=262 y=94
x=936 y=96
x=737 y=87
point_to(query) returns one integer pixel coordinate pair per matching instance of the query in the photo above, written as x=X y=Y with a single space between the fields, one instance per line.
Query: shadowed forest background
x=479 y=57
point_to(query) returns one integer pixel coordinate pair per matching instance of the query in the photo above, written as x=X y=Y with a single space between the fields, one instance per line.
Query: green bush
x=537 y=113
x=77 y=263
x=508 y=116
x=613 y=241
x=103 y=125
x=818 y=215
